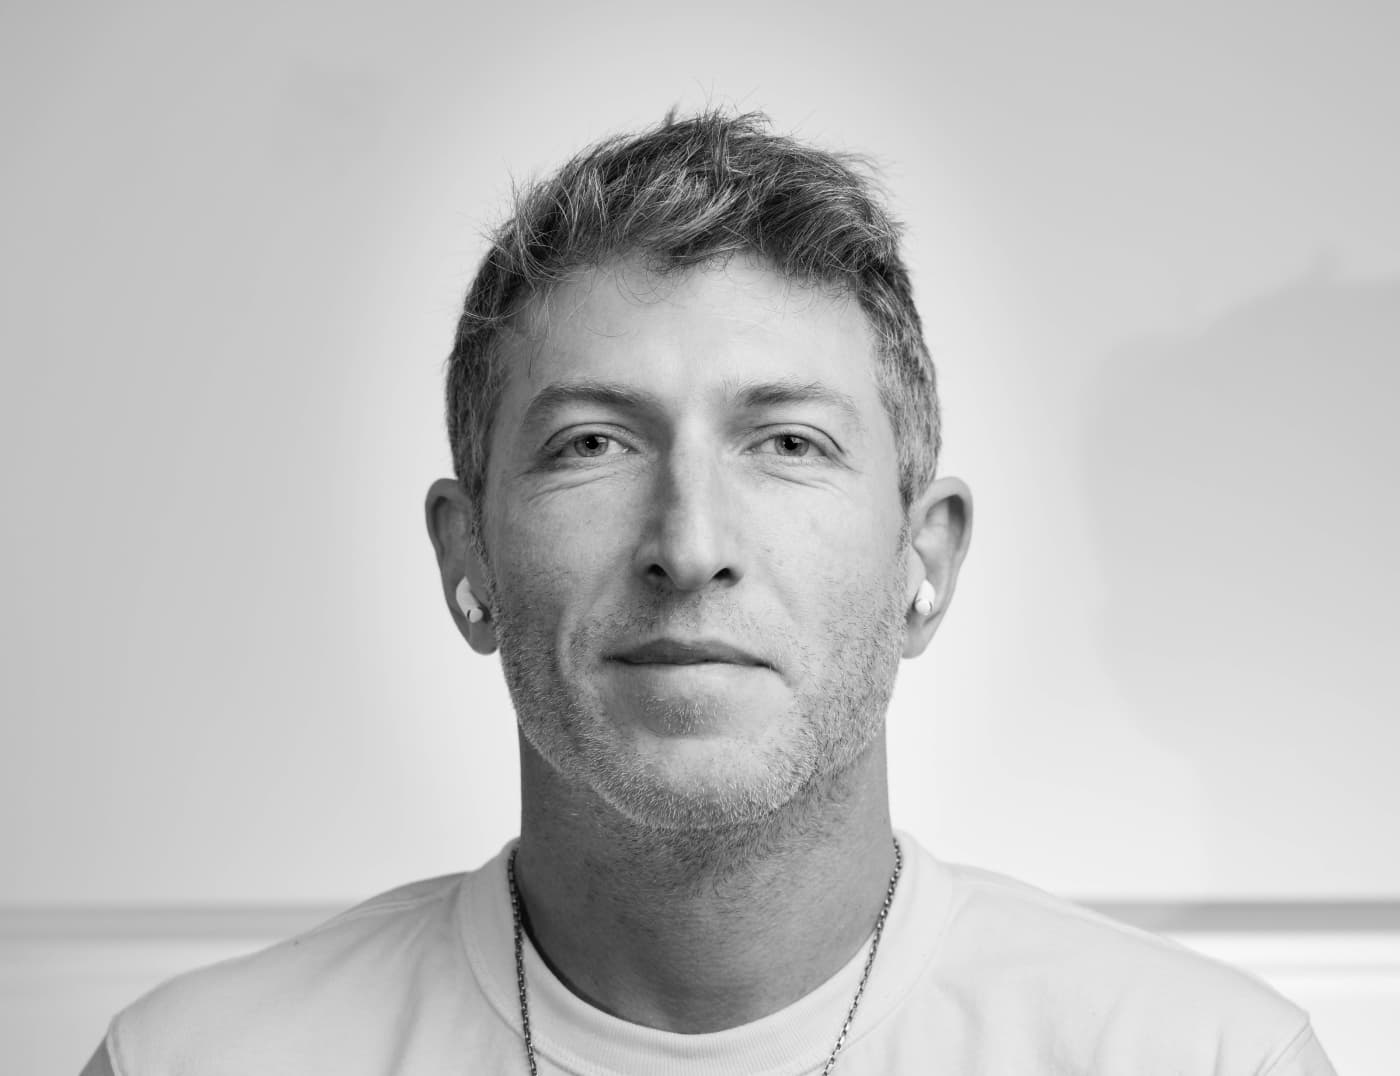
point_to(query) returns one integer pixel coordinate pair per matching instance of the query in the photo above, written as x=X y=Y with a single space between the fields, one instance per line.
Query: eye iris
x=591 y=444
x=789 y=444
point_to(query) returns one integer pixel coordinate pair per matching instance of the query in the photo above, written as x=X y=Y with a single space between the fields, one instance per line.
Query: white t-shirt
x=977 y=975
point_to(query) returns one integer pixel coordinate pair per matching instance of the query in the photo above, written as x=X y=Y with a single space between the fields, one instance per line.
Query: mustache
x=690 y=616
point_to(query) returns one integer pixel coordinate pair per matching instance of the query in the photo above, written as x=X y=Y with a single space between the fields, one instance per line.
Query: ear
x=940 y=527
x=449 y=515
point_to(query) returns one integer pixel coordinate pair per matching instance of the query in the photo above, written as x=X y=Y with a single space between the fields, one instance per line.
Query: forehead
x=691 y=336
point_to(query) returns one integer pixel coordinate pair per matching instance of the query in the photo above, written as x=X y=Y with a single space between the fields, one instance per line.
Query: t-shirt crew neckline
x=580 y=1039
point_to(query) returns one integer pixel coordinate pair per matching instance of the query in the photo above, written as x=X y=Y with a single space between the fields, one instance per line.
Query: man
x=695 y=432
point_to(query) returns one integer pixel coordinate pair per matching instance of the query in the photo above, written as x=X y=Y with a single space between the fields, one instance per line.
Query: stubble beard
x=847 y=677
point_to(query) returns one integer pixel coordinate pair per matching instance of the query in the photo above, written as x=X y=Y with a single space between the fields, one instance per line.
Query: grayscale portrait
x=628 y=542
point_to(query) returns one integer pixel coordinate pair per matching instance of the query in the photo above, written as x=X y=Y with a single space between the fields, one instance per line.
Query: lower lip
x=691 y=700
x=694 y=668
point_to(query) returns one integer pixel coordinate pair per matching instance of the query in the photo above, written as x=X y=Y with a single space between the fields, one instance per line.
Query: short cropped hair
x=691 y=192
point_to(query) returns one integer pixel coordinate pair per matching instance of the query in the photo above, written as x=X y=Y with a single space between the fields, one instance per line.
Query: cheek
x=554 y=553
x=830 y=561
x=839 y=525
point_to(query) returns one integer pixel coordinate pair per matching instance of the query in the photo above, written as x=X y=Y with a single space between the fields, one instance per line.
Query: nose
x=691 y=539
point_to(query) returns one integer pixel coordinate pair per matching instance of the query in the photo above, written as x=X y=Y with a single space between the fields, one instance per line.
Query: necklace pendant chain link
x=850 y=1013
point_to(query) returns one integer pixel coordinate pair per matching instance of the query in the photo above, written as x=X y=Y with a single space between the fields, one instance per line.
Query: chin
x=678 y=771
x=703 y=785
x=713 y=783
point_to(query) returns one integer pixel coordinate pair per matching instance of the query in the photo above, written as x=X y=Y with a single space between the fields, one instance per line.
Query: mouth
x=688 y=652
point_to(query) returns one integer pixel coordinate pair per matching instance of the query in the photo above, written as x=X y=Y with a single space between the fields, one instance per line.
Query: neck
x=697 y=932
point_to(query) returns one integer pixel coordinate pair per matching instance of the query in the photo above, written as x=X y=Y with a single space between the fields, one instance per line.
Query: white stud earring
x=924 y=598
x=466 y=601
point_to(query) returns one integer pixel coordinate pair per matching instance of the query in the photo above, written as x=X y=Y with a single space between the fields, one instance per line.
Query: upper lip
x=687 y=652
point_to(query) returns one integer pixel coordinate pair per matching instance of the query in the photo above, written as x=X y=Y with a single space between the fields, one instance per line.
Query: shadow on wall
x=1245 y=487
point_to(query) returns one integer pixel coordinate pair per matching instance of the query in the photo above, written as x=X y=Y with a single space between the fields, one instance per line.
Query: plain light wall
x=1157 y=250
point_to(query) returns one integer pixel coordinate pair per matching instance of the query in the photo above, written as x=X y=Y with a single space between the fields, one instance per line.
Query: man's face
x=696 y=547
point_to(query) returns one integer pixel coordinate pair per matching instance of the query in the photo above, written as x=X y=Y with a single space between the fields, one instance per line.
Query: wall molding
x=174 y=921
x=1255 y=916
x=282 y=920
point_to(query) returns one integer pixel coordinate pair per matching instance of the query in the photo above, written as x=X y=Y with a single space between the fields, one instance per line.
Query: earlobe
x=940 y=527
x=449 y=518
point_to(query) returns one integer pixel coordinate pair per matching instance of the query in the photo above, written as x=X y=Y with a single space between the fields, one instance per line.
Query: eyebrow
x=748 y=395
x=756 y=395
x=586 y=391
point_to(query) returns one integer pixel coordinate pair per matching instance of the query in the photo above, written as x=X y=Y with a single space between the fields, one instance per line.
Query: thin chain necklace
x=850 y=1013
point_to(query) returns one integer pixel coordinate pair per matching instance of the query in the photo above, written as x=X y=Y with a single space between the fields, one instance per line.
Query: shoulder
x=1113 y=989
x=301 y=992
x=99 y=1064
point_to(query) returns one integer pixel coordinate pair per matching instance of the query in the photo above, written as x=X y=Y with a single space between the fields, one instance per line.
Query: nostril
x=657 y=573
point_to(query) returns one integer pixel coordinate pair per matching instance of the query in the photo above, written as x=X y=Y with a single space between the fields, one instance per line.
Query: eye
x=588 y=446
x=791 y=445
